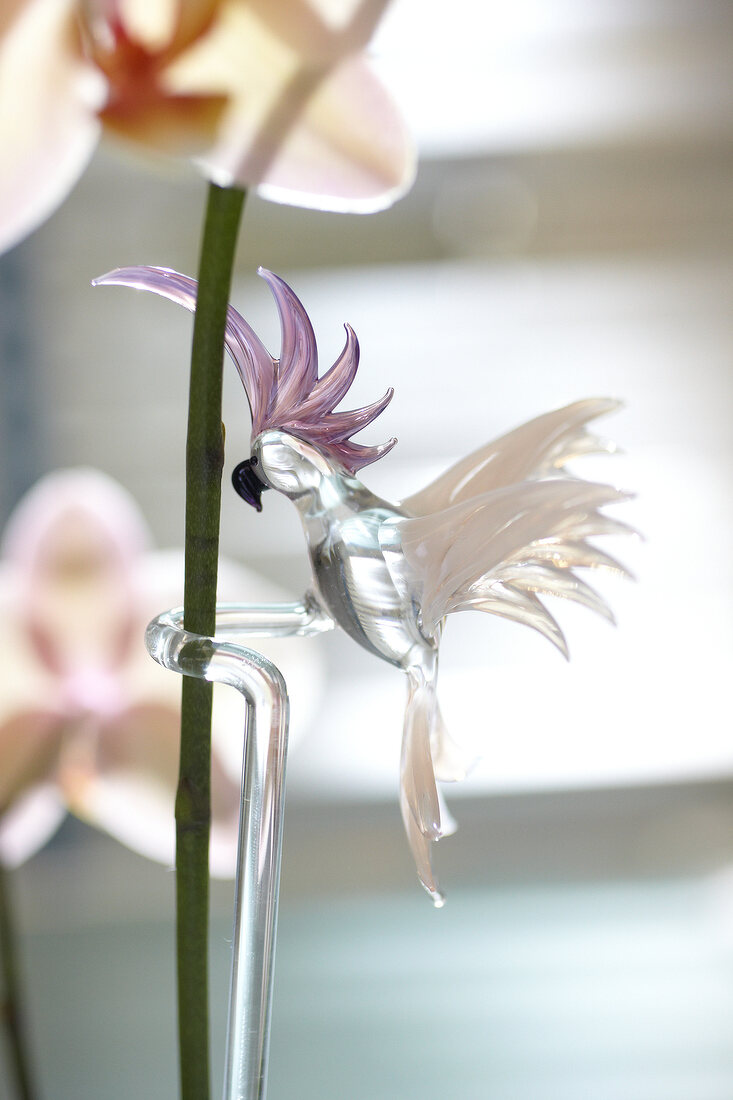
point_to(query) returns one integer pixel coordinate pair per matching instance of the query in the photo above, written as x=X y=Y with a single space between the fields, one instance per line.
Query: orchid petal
x=30 y=807
x=348 y=152
x=29 y=824
x=321 y=29
x=29 y=747
x=68 y=495
x=73 y=543
x=48 y=128
x=168 y=26
x=124 y=782
x=193 y=18
x=30 y=739
x=9 y=12
x=179 y=125
x=77 y=587
x=273 y=96
x=323 y=134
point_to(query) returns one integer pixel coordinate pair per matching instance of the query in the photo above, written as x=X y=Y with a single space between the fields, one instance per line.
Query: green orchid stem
x=10 y=1001
x=204 y=460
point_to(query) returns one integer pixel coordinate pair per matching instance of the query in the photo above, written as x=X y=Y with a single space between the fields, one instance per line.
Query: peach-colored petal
x=316 y=133
x=47 y=125
x=80 y=490
x=30 y=806
x=25 y=682
x=73 y=544
x=9 y=12
x=122 y=778
x=77 y=588
x=167 y=25
x=179 y=125
x=193 y=18
x=349 y=152
x=322 y=30
x=29 y=747
x=150 y=22
x=30 y=738
x=29 y=824
x=131 y=42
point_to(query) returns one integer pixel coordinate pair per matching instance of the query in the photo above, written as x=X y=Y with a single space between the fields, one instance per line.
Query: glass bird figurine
x=496 y=532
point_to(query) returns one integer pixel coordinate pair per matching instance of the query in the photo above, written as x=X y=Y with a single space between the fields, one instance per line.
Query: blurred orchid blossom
x=88 y=723
x=273 y=94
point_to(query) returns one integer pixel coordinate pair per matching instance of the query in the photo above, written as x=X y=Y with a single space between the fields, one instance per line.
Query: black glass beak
x=247 y=483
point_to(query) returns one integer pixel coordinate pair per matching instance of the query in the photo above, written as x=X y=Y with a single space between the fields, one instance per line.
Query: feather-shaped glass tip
x=496 y=532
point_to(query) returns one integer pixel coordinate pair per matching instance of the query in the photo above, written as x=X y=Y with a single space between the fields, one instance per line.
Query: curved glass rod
x=225 y=660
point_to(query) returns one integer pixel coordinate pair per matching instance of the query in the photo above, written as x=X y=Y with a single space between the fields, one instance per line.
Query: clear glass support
x=225 y=660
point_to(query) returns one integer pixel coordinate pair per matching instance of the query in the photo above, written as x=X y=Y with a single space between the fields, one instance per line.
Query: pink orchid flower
x=272 y=94
x=88 y=722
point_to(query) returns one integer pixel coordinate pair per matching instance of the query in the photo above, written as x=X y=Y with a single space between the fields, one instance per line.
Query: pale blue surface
x=599 y=992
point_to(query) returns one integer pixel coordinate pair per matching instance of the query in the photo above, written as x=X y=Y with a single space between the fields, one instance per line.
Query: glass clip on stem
x=224 y=659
